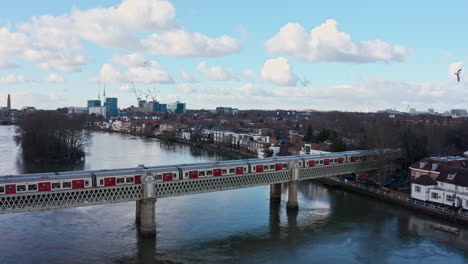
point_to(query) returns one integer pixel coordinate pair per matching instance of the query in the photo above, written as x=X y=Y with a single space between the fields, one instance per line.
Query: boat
x=445 y=228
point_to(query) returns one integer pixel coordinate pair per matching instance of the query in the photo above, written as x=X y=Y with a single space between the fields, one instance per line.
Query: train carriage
x=222 y=168
x=118 y=177
x=164 y=173
x=273 y=164
x=43 y=182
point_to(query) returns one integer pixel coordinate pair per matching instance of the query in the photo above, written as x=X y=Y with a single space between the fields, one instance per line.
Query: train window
x=120 y=180
x=202 y=173
x=285 y=166
x=21 y=188
x=272 y=167
x=56 y=185
x=159 y=177
x=2 y=189
x=245 y=169
x=186 y=174
x=265 y=167
x=66 y=184
x=101 y=182
x=321 y=161
x=335 y=160
x=209 y=173
x=130 y=179
x=86 y=183
x=232 y=170
x=224 y=171
x=32 y=187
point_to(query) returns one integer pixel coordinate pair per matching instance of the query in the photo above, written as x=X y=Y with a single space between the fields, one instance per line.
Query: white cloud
x=55 y=42
x=188 y=77
x=152 y=73
x=185 y=88
x=326 y=43
x=12 y=79
x=181 y=43
x=125 y=88
x=215 y=73
x=249 y=75
x=453 y=68
x=54 y=78
x=130 y=60
x=279 y=71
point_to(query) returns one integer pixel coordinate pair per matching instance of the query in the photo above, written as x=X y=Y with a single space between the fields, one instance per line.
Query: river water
x=238 y=226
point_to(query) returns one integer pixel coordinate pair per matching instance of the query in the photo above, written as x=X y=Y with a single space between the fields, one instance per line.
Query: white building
x=450 y=188
x=97 y=110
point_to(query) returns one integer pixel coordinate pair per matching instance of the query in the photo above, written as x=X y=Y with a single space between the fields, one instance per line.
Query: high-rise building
x=180 y=108
x=141 y=103
x=162 y=108
x=8 y=102
x=93 y=103
x=111 y=106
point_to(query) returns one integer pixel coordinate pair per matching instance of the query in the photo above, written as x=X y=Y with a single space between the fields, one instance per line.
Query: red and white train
x=47 y=182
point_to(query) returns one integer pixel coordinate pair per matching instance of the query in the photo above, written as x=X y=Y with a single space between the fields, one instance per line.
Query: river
x=237 y=226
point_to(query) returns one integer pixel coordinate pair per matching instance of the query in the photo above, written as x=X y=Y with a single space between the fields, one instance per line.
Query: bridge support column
x=275 y=192
x=138 y=212
x=292 y=192
x=146 y=208
x=292 y=196
x=148 y=217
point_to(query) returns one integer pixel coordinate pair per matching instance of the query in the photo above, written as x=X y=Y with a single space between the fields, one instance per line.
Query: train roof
x=220 y=164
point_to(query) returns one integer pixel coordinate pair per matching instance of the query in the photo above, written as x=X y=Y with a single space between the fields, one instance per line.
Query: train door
x=278 y=166
x=259 y=168
x=326 y=162
x=109 y=181
x=217 y=172
x=44 y=187
x=10 y=188
x=193 y=174
x=239 y=170
x=77 y=184
x=168 y=176
x=137 y=179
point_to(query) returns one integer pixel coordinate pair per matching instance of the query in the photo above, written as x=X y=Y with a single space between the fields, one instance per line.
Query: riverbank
x=400 y=199
x=233 y=153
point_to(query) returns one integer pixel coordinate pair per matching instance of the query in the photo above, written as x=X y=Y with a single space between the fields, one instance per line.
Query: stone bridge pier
x=275 y=190
x=145 y=211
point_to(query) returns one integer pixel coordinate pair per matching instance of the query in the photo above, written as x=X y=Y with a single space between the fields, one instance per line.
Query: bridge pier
x=146 y=208
x=137 y=212
x=147 y=217
x=292 y=196
x=275 y=192
x=292 y=204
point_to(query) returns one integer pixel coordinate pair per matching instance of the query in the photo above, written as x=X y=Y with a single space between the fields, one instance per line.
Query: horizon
x=350 y=59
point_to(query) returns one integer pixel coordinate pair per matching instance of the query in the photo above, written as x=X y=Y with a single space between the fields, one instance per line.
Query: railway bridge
x=146 y=193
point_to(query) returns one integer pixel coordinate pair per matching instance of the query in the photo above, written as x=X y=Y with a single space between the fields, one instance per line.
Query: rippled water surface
x=238 y=226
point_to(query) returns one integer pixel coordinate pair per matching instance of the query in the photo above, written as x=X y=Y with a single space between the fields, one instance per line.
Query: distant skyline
x=344 y=56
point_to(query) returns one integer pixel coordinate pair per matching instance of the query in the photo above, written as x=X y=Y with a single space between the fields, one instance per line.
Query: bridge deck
x=15 y=203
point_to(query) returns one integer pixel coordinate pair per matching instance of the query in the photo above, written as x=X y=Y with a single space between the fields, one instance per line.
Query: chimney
x=8 y=102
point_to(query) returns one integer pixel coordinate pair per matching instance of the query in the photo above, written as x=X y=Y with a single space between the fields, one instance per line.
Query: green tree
x=337 y=145
x=309 y=136
x=414 y=147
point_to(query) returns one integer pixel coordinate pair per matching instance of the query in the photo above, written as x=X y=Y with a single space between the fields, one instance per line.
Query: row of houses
x=441 y=180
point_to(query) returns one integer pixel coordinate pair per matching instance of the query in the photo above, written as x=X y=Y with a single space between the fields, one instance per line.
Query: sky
x=322 y=55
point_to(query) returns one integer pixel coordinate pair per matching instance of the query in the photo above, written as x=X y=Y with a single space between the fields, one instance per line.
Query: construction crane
x=137 y=95
x=151 y=93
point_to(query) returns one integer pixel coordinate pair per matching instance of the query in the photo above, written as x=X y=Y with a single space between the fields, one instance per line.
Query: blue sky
x=326 y=55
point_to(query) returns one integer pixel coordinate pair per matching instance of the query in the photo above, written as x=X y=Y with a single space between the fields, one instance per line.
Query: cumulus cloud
x=454 y=67
x=55 y=42
x=125 y=88
x=188 y=77
x=54 y=78
x=152 y=73
x=12 y=79
x=249 y=74
x=130 y=60
x=279 y=71
x=215 y=73
x=181 y=43
x=185 y=88
x=327 y=43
